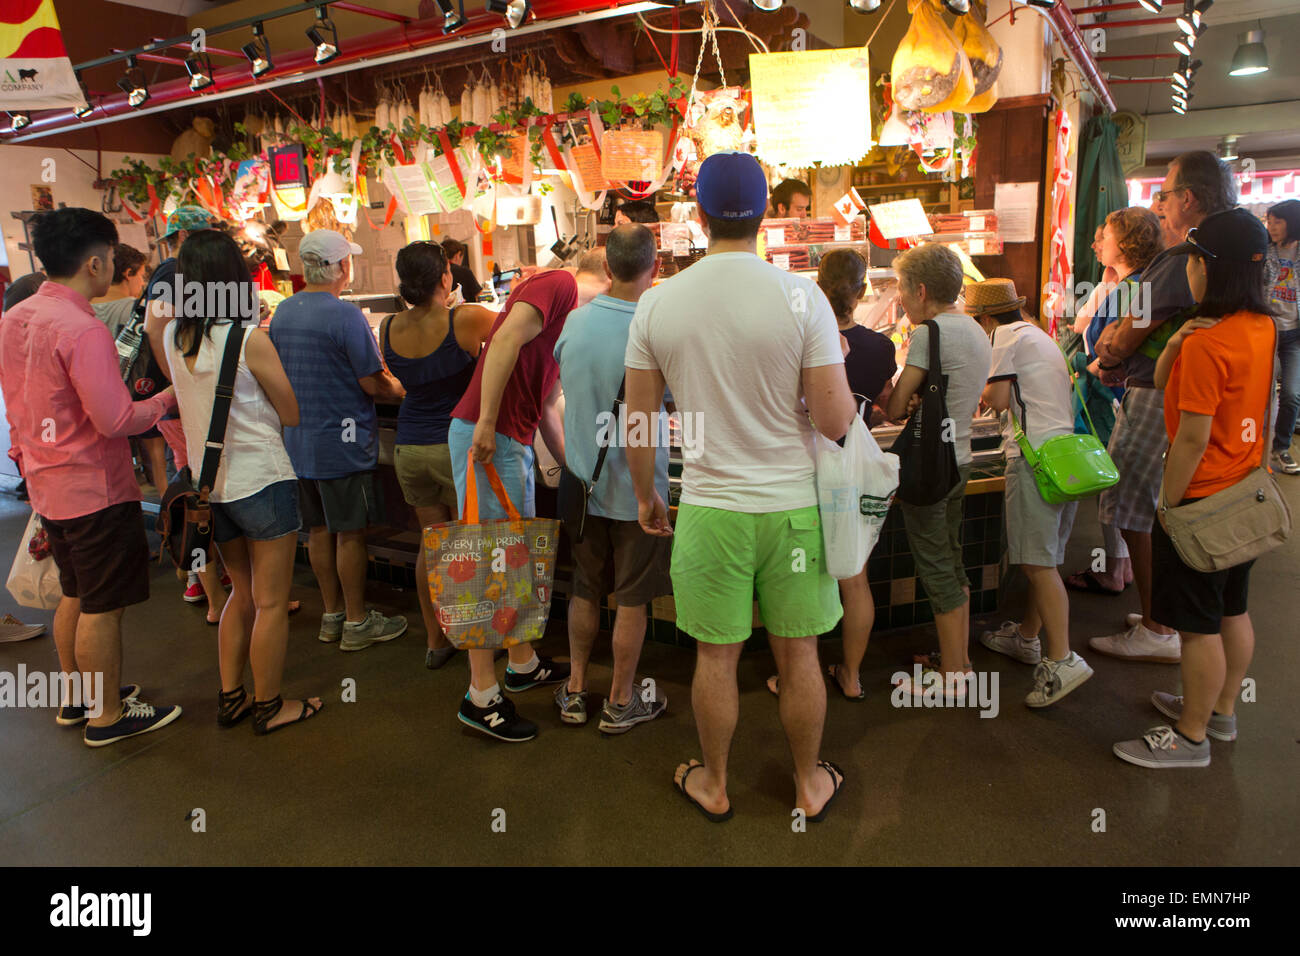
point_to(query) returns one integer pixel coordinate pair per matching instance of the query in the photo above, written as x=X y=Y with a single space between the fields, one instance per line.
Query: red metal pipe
x=372 y=12
x=417 y=33
x=1141 y=79
x=1138 y=56
x=1117 y=24
x=1079 y=52
x=1084 y=11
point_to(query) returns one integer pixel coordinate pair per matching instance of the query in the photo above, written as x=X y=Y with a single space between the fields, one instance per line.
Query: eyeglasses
x=1160 y=195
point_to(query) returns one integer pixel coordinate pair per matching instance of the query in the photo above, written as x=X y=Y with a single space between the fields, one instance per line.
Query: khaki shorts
x=424 y=472
x=619 y=559
x=1037 y=532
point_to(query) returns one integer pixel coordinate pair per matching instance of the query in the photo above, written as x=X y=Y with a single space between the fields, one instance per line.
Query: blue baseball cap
x=731 y=185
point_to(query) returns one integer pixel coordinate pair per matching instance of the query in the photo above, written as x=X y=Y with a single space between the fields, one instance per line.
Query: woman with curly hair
x=1130 y=239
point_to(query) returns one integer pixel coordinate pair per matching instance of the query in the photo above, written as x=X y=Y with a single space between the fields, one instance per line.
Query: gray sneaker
x=1220 y=727
x=331 y=628
x=1284 y=463
x=1054 y=679
x=375 y=629
x=619 y=720
x=572 y=704
x=1162 y=747
x=1008 y=640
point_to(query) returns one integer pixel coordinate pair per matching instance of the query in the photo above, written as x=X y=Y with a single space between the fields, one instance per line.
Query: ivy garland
x=133 y=179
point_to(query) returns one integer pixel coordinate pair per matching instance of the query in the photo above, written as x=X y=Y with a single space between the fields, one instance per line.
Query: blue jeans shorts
x=271 y=513
x=513 y=462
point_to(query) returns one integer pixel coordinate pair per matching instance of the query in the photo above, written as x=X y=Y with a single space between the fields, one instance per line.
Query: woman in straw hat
x=1028 y=380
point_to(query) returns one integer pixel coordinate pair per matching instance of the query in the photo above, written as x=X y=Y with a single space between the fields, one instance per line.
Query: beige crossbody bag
x=1237 y=524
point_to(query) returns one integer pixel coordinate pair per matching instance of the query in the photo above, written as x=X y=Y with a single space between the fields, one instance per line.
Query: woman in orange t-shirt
x=1217 y=373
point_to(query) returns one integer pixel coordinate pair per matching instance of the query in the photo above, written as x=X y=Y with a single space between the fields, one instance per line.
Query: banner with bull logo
x=35 y=72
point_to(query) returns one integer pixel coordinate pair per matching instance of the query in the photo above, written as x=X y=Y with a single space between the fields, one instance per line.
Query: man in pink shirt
x=69 y=417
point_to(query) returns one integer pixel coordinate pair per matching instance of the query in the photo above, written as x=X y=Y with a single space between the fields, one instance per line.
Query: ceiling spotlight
x=1227 y=148
x=85 y=109
x=1151 y=6
x=258 y=51
x=515 y=11
x=957 y=7
x=1179 y=98
x=864 y=6
x=1184 y=45
x=133 y=84
x=199 y=68
x=1251 y=56
x=767 y=6
x=1179 y=80
x=1190 y=20
x=19 y=120
x=1180 y=109
x=326 y=50
x=453 y=16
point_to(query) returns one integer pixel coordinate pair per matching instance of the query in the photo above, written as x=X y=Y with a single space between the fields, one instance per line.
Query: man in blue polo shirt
x=333 y=364
x=615 y=556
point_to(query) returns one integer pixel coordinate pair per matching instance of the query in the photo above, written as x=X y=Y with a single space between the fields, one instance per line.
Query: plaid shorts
x=1137 y=446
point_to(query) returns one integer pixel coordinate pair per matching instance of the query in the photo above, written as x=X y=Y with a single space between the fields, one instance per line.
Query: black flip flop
x=861 y=696
x=709 y=814
x=831 y=769
x=1093 y=586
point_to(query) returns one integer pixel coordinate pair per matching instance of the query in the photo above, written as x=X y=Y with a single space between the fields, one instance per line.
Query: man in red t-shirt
x=514 y=392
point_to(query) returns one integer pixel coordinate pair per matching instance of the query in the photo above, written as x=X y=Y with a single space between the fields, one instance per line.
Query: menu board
x=586 y=163
x=813 y=106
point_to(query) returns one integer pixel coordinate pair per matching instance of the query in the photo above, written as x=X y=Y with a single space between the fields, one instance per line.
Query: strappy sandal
x=265 y=711
x=228 y=707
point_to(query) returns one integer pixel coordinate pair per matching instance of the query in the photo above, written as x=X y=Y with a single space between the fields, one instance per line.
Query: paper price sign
x=901 y=219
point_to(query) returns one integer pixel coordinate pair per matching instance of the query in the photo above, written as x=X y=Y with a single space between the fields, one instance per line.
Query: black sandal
x=228 y=707
x=265 y=711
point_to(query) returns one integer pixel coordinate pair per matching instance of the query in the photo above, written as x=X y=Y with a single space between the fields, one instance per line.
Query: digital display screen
x=288 y=165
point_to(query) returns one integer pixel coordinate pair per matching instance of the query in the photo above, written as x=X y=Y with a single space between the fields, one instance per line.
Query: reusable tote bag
x=33 y=577
x=491 y=580
x=927 y=463
x=855 y=487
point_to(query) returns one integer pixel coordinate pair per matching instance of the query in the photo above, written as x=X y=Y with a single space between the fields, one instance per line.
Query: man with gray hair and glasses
x=333 y=364
x=1197 y=185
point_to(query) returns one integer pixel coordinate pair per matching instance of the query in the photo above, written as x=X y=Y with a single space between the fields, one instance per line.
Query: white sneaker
x=1140 y=644
x=1054 y=679
x=1008 y=640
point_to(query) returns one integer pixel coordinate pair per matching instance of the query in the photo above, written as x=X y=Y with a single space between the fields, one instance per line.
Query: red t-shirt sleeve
x=1203 y=379
x=554 y=294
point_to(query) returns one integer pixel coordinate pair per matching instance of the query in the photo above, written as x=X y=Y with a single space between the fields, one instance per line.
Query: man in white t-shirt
x=740 y=342
x=1028 y=381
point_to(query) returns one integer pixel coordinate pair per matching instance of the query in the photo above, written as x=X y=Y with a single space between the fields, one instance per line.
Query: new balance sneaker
x=194 y=592
x=1162 y=747
x=1008 y=640
x=331 y=628
x=137 y=718
x=573 y=705
x=70 y=716
x=1220 y=727
x=547 y=672
x=1054 y=679
x=1140 y=644
x=375 y=629
x=499 y=719
x=638 y=710
x=1283 y=462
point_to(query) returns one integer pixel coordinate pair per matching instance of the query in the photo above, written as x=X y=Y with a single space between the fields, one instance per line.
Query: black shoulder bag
x=572 y=496
x=927 y=465
x=185 y=517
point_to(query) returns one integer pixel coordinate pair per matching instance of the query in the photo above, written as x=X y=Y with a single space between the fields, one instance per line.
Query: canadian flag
x=848 y=206
x=35 y=72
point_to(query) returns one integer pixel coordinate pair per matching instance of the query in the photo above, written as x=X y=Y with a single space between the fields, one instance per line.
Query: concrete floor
x=394 y=779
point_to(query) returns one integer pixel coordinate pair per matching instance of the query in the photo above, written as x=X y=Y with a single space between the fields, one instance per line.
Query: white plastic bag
x=855 y=487
x=34 y=583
